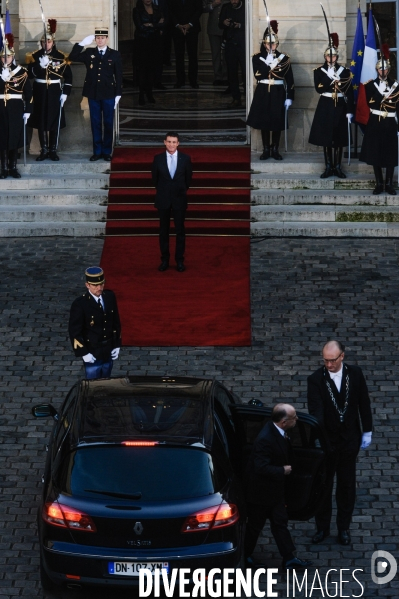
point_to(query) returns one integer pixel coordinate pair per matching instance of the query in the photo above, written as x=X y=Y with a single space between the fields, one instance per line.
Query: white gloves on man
x=287 y=103
x=366 y=440
x=63 y=98
x=274 y=64
x=26 y=116
x=115 y=353
x=89 y=359
x=5 y=74
x=349 y=117
x=269 y=59
x=117 y=98
x=87 y=41
x=43 y=61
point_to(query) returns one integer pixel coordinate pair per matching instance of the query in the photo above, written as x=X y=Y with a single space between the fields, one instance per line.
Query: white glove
x=63 y=98
x=89 y=359
x=366 y=440
x=5 y=74
x=287 y=103
x=349 y=117
x=117 y=98
x=269 y=58
x=26 y=116
x=43 y=61
x=115 y=353
x=274 y=64
x=87 y=41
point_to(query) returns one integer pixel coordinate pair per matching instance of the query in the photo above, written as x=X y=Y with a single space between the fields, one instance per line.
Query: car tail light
x=217 y=516
x=140 y=443
x=58 y=514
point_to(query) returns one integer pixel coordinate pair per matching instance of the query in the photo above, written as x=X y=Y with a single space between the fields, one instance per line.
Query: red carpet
x=209 y=303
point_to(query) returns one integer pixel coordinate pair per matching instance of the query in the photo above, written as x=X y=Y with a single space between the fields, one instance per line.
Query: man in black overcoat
x=232 y=21
x=171 y=174
x=95 y=327
x=338 y=398
x=184 y=18
x=270 y=463
x=102 y=87
x=52 y=85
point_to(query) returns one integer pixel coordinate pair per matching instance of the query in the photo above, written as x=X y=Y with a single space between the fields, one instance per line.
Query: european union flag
x=357 y=54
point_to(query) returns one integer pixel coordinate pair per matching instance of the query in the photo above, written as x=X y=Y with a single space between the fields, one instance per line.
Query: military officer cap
x=94 y=275
x=101 y=31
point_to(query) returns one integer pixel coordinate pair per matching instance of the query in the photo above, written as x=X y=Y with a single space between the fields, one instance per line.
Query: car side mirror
x=44 y=411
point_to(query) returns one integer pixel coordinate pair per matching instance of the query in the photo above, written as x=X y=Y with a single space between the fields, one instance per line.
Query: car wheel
x=45 y=580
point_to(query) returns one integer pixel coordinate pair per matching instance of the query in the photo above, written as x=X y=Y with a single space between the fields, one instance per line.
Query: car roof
x=177 y=410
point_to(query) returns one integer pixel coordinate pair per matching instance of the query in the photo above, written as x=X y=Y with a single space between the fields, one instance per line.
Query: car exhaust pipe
x=74 y=586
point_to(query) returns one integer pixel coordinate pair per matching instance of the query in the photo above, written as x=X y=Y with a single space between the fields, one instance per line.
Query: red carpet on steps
x=208 y=304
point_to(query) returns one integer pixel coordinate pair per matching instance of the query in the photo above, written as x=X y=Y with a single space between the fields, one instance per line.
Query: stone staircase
x=67 y=198
x=289 y=199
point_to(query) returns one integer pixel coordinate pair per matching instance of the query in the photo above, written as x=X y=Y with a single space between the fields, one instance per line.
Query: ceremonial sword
x=44 y=26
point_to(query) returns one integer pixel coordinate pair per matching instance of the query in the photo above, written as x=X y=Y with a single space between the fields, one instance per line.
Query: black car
x=144 y=472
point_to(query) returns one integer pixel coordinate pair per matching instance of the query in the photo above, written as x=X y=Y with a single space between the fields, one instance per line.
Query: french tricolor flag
x=368 y=72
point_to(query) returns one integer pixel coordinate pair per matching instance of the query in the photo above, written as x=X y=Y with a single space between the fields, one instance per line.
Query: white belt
x=10 y=96
x=49 y=82
x=334 y=95
x=384 y=114
x=272 y=81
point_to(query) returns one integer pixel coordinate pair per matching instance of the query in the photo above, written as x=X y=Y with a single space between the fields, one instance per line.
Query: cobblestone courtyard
x=303 y=291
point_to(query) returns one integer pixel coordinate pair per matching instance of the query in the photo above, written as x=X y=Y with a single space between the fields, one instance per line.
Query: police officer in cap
x=335 y=107
x=15 y=108
x=94 y=326
x=102 y=87
x=51 y=87
x=273 y=94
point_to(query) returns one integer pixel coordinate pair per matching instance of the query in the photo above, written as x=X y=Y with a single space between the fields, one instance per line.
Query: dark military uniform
x=102 y=84
x=15 y=100
x=49 y=84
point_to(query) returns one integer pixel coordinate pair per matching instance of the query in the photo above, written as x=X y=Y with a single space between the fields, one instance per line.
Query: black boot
x=43 y=144
x=12 y=164
x=266 y=145
x=4 y=164
x=328 y=160
x=275 y=153
x=275 y=144
x=389 y=188
x=379 y=181
x=337 y=163
x=53 y=146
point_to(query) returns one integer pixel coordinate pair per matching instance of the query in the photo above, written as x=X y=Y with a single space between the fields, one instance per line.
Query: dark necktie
x=100 y=304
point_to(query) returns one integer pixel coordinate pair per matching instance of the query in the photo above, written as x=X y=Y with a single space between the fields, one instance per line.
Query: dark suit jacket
x=93 y=330
x=264 y=476
x=181 y=13
x=171 y=192
x=320 y=404
x=103 y=79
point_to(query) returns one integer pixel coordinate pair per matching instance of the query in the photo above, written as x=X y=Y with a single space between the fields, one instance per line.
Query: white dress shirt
x=97 y=298
x=337 y=378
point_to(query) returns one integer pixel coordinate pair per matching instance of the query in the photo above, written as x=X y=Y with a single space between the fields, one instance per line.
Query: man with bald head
x=338 y=398
x=270 y=463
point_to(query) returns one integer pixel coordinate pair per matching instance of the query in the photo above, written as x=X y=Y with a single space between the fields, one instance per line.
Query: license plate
x=133 y=568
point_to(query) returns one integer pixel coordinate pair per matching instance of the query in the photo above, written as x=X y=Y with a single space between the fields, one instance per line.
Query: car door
x=306 y=485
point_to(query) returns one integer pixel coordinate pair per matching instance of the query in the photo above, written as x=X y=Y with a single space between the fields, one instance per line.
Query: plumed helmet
x=50 y=30
x=273 y=33
x=385 y=51
x=8 y=48
x=333 y=46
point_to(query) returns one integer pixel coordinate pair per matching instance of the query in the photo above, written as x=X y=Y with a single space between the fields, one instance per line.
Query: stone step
x=317 y=229
x=56 y=181
x=323 y=213
x=50 y=229
x=68 y=164
x=304 y=163
x=303 y=182
x=44 y=197
x=332 y=197
x=37 y=213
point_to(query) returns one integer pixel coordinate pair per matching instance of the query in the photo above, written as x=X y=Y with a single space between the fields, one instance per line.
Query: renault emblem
x=138 y=528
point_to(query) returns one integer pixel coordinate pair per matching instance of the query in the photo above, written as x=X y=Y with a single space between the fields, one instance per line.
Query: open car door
x=306 y=485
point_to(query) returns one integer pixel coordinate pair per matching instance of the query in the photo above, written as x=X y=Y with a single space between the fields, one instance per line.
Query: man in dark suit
x=171 y=174
x=269 y=464
x=338 y=398
x=102 y=87
x=94 y=326
x=184 y=16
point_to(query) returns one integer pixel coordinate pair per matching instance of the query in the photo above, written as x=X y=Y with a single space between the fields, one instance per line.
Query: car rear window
x=146 y=473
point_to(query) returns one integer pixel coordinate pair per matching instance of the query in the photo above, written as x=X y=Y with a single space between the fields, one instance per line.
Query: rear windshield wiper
x=112 y=494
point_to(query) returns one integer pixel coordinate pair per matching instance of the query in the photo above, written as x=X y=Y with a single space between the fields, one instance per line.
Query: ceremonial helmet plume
x=332 y=48
x=8 y=48
x=51 y=28
x=385 y=52
x=272 y=34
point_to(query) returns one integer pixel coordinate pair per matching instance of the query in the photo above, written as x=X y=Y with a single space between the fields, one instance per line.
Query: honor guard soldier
x=51 y=87
x=380 y=142
x=274 y=92
x=335 y=108
x=94 y=326
x=102 y=87
x=15 y=108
